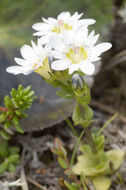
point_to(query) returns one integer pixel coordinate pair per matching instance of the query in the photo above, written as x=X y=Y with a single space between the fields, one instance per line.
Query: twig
x=108 y=110
x=32 y=181
x=35 y=183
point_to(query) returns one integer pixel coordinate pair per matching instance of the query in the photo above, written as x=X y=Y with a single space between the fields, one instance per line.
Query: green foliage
x=61 y=153
x=9 y=157
x=14 y=110
x=102 y=182
x=72 y=186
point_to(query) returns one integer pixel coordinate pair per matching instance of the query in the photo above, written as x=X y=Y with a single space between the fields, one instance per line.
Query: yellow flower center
x=62 y=26
x=77 y=54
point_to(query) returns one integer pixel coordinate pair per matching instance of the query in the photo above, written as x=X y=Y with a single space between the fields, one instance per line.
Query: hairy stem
x=90 y=139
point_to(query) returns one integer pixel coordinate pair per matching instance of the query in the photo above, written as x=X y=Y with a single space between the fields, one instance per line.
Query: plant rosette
x=97 y=167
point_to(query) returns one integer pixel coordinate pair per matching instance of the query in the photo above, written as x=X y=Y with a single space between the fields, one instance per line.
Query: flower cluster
x=63 y=43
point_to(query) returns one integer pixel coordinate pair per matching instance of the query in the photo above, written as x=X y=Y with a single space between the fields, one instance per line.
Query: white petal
x=63 y=15
x=45 y=20
x=100 y=48
x=52 y=20
x=21 y=62
x=85 y=22
x=59 y=65
x=57 y=43
x=33 y=45
x=57 y=54
x=92 y=58
x=73 y=67
x=40 y=26
x=76 y=16
x=18 y=70
x=94 y=40
x=44 y=39
x=91 y=40
x=88 y=68
x=81 y=35
x=42 y=33
x=14 y=70
x=26 y=51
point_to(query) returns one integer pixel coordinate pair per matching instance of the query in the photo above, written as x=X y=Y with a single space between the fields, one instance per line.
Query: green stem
x=69 y=123
x=107 y=123
x=75 y=148
x=90 y=139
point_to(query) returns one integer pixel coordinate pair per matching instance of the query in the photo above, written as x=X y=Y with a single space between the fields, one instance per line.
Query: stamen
x=76 y=50
x=34 y=65
x=60 y=22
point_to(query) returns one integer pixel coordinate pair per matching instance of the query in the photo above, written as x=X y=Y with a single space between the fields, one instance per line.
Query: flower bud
x=77 y=82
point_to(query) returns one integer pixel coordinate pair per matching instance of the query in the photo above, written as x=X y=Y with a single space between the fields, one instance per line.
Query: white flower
x=78 y=53
x=65 y=23
x=35 y=59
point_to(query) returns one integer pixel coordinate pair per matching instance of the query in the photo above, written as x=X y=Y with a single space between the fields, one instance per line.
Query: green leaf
x=62 y=163
x=72 y=186
x=65 y=94
x=5 y=135
x=77 y=118
x=11 y=167
x=86 y=165
x=4 y=149
x=20 y=88
x=2 y=118
x=99 y=141
x=88 y=114
x=8 y=102
x=19 y=129
x=116 y=158
x=7 y=124
x=3 y=167
x=102 y=183
x=14 y=149
x=15 y=120
x=13 y=158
